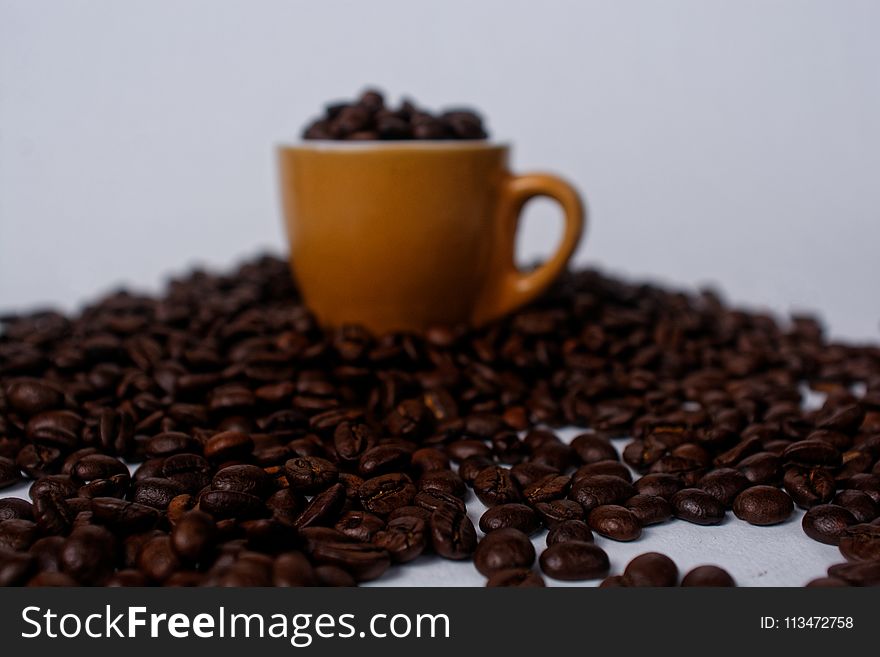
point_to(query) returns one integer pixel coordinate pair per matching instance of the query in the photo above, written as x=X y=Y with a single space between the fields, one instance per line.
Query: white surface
x=733 y=142
x=781 y=555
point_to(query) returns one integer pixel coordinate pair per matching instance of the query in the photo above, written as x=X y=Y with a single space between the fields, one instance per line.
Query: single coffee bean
x=615 y=522
x=17 y=534
x=649 y=509
x=503 y=549
x=405 y=538
x=310 y=474
x=549 y=488
x=858 y=503
x=809 y=486
x=384 y=459
x=517 y=516
x=360 y=525
x=651 y=569
x=363 y=561
x=597 y=490
x=825 y=523
x=431 y=500
x=763 y=505
x=9 y=473
x=570 y=530
x=231 y=504
x=527 y=473
x=323 y=508
x=660 y=485
x=861 y=573
x=452 y=533
x=157 y=559
x=556 y=511
x=591 y=448
x=293 y=569
x=124 y=517
x=697 y=506
x=724 y=484
x=88 y=554
x=193 y=536
x=494 y=486
x=13 y=507
x=53 y=514
x=515 y=577
x=385 y=493
x=228 y=445
x=15 y=567
x=471 y=466
x=156 y=492
x=574 y=560
x=860 y=542
x=244 y=479
x=812 y=453
x=444 y=481
x=33 y=396
x=707 y=576
x=607 y=467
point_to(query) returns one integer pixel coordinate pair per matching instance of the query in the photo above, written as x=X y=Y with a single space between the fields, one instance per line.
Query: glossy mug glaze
x=405 y=236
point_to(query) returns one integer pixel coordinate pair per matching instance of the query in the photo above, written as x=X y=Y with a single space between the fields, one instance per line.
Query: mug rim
x=402 y=144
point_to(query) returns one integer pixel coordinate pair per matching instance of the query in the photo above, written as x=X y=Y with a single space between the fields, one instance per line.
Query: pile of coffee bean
x=369 y=119
x=272 y=452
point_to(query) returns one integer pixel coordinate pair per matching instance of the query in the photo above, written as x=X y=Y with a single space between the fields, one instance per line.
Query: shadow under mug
x=406 y=236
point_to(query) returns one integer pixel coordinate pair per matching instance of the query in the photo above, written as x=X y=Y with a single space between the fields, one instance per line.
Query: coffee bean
x=323 y=508
x=88 y=554
x=649 y=509
x=124 y=517
x=504 y=549
x=513 y=515
x=574 y=560
x=570 y=530
x=405 y=538
x=761 y=468
x=809 y=486
x=33 y=396
x=17 y=534
x=360 y=525
x=293 y=569
x=724 y=484
x=244 y=479
x=858 y=503
x=697 y=506
x=763 y=505
x=444 y=481
x=615 y=522
x=156 y=559
x=310 y=474
x=228 y=445
x=13 y=507
x=14 y=567
x=556 y=511
x=9 y=473
x=591 y=448
x=452 y=533
x=515 y=577
x=193 y=536
x=862 y=573
x=385 y=493
x=549 y=488
x=660 y=485
x=363 y=561
x=596 y=490
x=494 y=486
x=707 y=576
x=231 y=504
x=826 y=522
x=651 y=569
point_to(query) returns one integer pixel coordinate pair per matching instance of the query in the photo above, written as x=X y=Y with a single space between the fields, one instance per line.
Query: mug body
x=392 y=236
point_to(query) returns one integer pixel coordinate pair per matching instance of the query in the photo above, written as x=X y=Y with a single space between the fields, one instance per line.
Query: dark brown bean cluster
x=272 y=452
x=369 y=119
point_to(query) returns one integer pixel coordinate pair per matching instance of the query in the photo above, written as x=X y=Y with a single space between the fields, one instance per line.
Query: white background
x=734 y=143
x=728 y=142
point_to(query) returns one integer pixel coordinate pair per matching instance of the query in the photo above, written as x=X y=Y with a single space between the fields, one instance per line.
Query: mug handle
x=517 y=288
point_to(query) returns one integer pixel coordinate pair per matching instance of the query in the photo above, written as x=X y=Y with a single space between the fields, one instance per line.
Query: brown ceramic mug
x=405 y=236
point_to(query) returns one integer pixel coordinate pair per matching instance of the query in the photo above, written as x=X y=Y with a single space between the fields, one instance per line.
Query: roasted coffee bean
x=172 y=442
x=707 y=576
x=444 y=481
x=405 y=538
x=649 y=509
x=528 y=473
x=9 y=473
x=651 y=569
x=124 y=517
x=659 y=484
x=385 y=493
x=15 y=567
x=285 y=505
x=597 y=490
x=860 y=542
x=812 y=453
x=452 y=533
x=310 y=474
x=362 y=560
x=513 y=515
x=33 y=396
x=360 y=525
x=431 y=500
x=193 y=536
x=809 y=486
x=17 y=534
x=156 y=492
x=231 y=504
x=552 y=487
x=504 y=549
x=724 y=484
x=858 y=503
x=13 y=507
x=56 y=428
x=244 y=479
x=761 y=468
x=494 y=486
x=615 y=522
x=228 y=445
x=861 y=573
x=515 y=577
x=763 y=505
x=697 y=506
x=570 y=530
x=826 y=522
x=417 y=511
x=53 y=514
x=323 y=508
x=88 y=554
x=470 y=467
x=574 y=560
x=293 y=569
x=556 y=511
x=156 y=558
x=384 y=459
x=328 y=575
x=591 y=448
x=867 y=483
